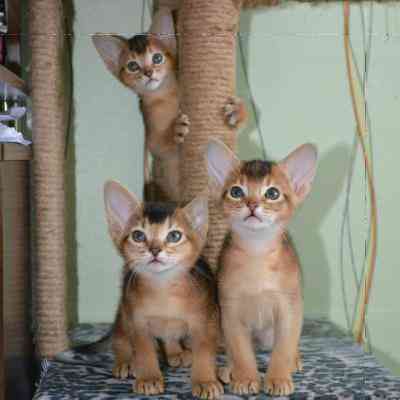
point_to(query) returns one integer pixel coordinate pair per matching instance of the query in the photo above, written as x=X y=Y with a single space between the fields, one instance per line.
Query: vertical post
x=207 y=55
x=47 y=43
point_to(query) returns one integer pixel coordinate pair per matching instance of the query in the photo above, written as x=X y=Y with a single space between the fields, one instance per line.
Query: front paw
x=207 y=390
x=234 y=112
x=149 y=385
x=244 y=386
x=123 y=370
x=181 y=128
x=182 y=359
x=279 y=386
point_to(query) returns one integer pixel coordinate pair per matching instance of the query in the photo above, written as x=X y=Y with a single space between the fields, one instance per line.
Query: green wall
x=294 y=58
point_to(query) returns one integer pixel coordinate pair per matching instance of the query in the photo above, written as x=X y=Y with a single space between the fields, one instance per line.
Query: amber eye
x=174 y=237
x=157 y=58
x=132 y=66
x=236 y=192
x=272 y=193
x=138 y=236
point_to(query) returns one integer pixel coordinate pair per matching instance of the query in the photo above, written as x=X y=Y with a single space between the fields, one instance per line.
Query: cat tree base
x=334 y=369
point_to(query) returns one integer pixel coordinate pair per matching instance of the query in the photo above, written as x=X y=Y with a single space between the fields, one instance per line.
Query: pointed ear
x=197 y=215
x=163 y=28
x=110 y=48
x=301 y=166
x=120 y=205
x=221 y=161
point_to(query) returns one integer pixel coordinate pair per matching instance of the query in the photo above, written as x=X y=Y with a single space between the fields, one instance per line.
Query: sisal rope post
x=49 y=131
x=207 y=54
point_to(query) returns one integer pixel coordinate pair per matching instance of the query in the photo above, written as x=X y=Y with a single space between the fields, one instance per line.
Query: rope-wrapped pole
x=49 y=129
x=207 y=55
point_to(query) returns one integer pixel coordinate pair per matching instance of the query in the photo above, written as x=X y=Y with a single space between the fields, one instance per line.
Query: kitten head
x=155 y=238
x=257 y=194
x=145 y=63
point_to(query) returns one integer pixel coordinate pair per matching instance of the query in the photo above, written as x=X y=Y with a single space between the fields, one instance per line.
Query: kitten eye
x=174 y=236
x=272 y=193
x=132 y=66
x=236 y=192
x=157 y=58
x=138 y=236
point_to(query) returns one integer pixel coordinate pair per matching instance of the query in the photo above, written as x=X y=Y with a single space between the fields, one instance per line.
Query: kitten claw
x=122 y=370
x=149 y=386
x=182 y=123
x=183 y=359
x=234 y=112
x=279 y=386
x=207 y=390
x=245 y=386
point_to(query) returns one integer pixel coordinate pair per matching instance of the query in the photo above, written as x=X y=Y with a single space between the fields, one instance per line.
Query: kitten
x=259 y=284
x=147 y=64
x=168 y=293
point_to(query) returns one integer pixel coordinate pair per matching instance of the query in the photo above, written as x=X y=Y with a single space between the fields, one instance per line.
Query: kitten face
x=155 y=238
x=146 y=65
x=260 y=195
x=257 y=195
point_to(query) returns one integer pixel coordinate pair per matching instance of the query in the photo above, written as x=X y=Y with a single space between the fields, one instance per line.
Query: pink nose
x=252 y=205
x=155 y=251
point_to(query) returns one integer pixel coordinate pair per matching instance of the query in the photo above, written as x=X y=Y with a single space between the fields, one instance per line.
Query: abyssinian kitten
x=259 y=286
x=168 y=291
x=147 y=65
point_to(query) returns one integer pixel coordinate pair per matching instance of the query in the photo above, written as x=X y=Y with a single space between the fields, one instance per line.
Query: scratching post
x=49 y=126
x=207 y=55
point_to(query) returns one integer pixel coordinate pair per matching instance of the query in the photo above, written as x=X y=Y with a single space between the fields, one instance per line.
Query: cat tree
x=207 y=40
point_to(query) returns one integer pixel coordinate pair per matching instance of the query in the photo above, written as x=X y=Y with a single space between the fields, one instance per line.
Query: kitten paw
x=207 y=390
x=224 y=374
x=182 y=124
x=279 y=386
x=123 y=370
x=298 y=363
x=234 y=112
x=148 y=386
x=183 y=359
x=245 y=386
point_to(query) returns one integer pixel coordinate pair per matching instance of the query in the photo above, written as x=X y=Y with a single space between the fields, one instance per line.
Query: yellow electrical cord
x=358 y=102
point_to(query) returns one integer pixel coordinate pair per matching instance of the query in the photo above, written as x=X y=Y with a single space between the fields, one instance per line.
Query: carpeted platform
x=334 y=368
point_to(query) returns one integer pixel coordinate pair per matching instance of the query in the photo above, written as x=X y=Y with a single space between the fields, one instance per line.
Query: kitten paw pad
x=234 y=112
x=149 y=386
x=207 y=390
x=245 y=386
x=183 y=359
x=279 y=386
x=182 y=124
x=123 y=370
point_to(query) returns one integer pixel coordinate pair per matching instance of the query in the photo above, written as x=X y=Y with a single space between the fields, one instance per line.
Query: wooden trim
x=15 y=152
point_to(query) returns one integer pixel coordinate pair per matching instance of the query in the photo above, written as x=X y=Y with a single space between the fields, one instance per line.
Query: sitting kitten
x=168 y=293
x=259 y=284
x=147 y=64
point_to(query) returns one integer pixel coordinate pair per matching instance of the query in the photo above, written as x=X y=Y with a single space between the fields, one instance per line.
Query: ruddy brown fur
x=168 y=293
x=259 y=276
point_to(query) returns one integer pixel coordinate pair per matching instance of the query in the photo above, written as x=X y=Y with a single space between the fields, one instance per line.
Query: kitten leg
x=181 y=128
x=284 y=358
x=177 y=356
x=149 y=379
x=204 y=346
x=235 y=113
x=123 y=352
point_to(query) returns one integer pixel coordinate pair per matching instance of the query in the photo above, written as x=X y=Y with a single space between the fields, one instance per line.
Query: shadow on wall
x=327 y=187
x=70 y=178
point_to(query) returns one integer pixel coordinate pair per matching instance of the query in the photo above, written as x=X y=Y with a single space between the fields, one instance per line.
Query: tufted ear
x=163 y=27
x=196 y=213
x=300 y=166
x=120 y=206
x=110 y=48
x=221 y=161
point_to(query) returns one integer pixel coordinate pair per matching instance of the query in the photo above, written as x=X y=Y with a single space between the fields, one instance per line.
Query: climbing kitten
x=147 y=64
x=168 y=292
x=259 y=277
